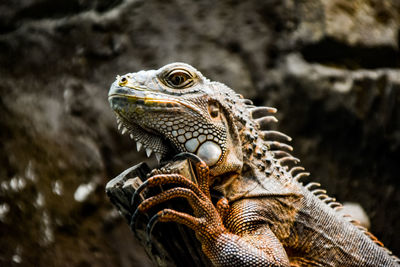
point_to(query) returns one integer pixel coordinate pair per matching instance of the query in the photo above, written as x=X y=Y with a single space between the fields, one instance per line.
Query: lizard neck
x=261 y=154
x=263 y=161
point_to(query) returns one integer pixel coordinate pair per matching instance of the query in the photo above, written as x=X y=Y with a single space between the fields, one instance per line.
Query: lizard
x=266 y=215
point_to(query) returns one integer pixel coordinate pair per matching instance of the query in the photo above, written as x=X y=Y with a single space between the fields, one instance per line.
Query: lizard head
x=176 y=109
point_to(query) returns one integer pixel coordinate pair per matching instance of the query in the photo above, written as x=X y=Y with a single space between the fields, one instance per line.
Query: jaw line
x=156 y=100
x=135 y=130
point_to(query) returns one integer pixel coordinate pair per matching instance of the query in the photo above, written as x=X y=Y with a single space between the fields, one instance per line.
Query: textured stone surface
x=331 y=67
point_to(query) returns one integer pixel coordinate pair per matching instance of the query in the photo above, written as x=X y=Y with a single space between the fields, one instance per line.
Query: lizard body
x=270 y=218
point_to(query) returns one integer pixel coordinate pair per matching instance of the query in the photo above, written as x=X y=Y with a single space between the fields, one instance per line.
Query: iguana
x=266 y=217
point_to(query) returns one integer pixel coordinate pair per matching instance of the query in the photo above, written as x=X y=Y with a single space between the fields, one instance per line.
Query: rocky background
x=331 y=67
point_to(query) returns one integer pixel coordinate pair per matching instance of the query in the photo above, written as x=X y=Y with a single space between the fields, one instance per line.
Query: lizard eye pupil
x=179 y=79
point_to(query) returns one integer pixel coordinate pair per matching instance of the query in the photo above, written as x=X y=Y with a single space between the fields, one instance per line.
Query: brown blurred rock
x=368 y=23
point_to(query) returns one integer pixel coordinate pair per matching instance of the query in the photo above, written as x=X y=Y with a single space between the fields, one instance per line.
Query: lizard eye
x=179 y=79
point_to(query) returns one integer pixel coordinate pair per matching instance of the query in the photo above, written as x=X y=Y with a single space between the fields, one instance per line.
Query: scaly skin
x=266 y=217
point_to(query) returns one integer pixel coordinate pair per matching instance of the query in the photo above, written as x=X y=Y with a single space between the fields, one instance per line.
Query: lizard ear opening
x=213 y=110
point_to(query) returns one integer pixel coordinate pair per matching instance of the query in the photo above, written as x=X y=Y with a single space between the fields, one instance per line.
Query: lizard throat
x=148 y=139
x=168 y=143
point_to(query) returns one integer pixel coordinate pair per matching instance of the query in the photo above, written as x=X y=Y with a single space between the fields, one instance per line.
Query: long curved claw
x=187 y=155
x=133 y=221
x=138 y=191
x=150 y=226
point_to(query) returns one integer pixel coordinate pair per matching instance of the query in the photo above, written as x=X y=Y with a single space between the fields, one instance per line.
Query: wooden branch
x=171 y=244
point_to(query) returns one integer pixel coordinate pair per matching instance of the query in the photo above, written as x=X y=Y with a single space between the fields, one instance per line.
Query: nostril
x=123 y=81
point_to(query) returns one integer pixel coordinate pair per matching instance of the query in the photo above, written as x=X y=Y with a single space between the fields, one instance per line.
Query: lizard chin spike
x=148 y=152
x=158 y=157
x=138 y=146
x=150 y=226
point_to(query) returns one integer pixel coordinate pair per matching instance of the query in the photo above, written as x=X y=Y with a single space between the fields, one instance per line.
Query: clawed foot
x=207 y=219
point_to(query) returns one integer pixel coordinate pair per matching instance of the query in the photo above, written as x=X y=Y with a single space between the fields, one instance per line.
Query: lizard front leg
x=221 y=246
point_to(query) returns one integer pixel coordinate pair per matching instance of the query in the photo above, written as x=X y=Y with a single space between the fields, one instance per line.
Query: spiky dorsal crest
x=275 y=142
